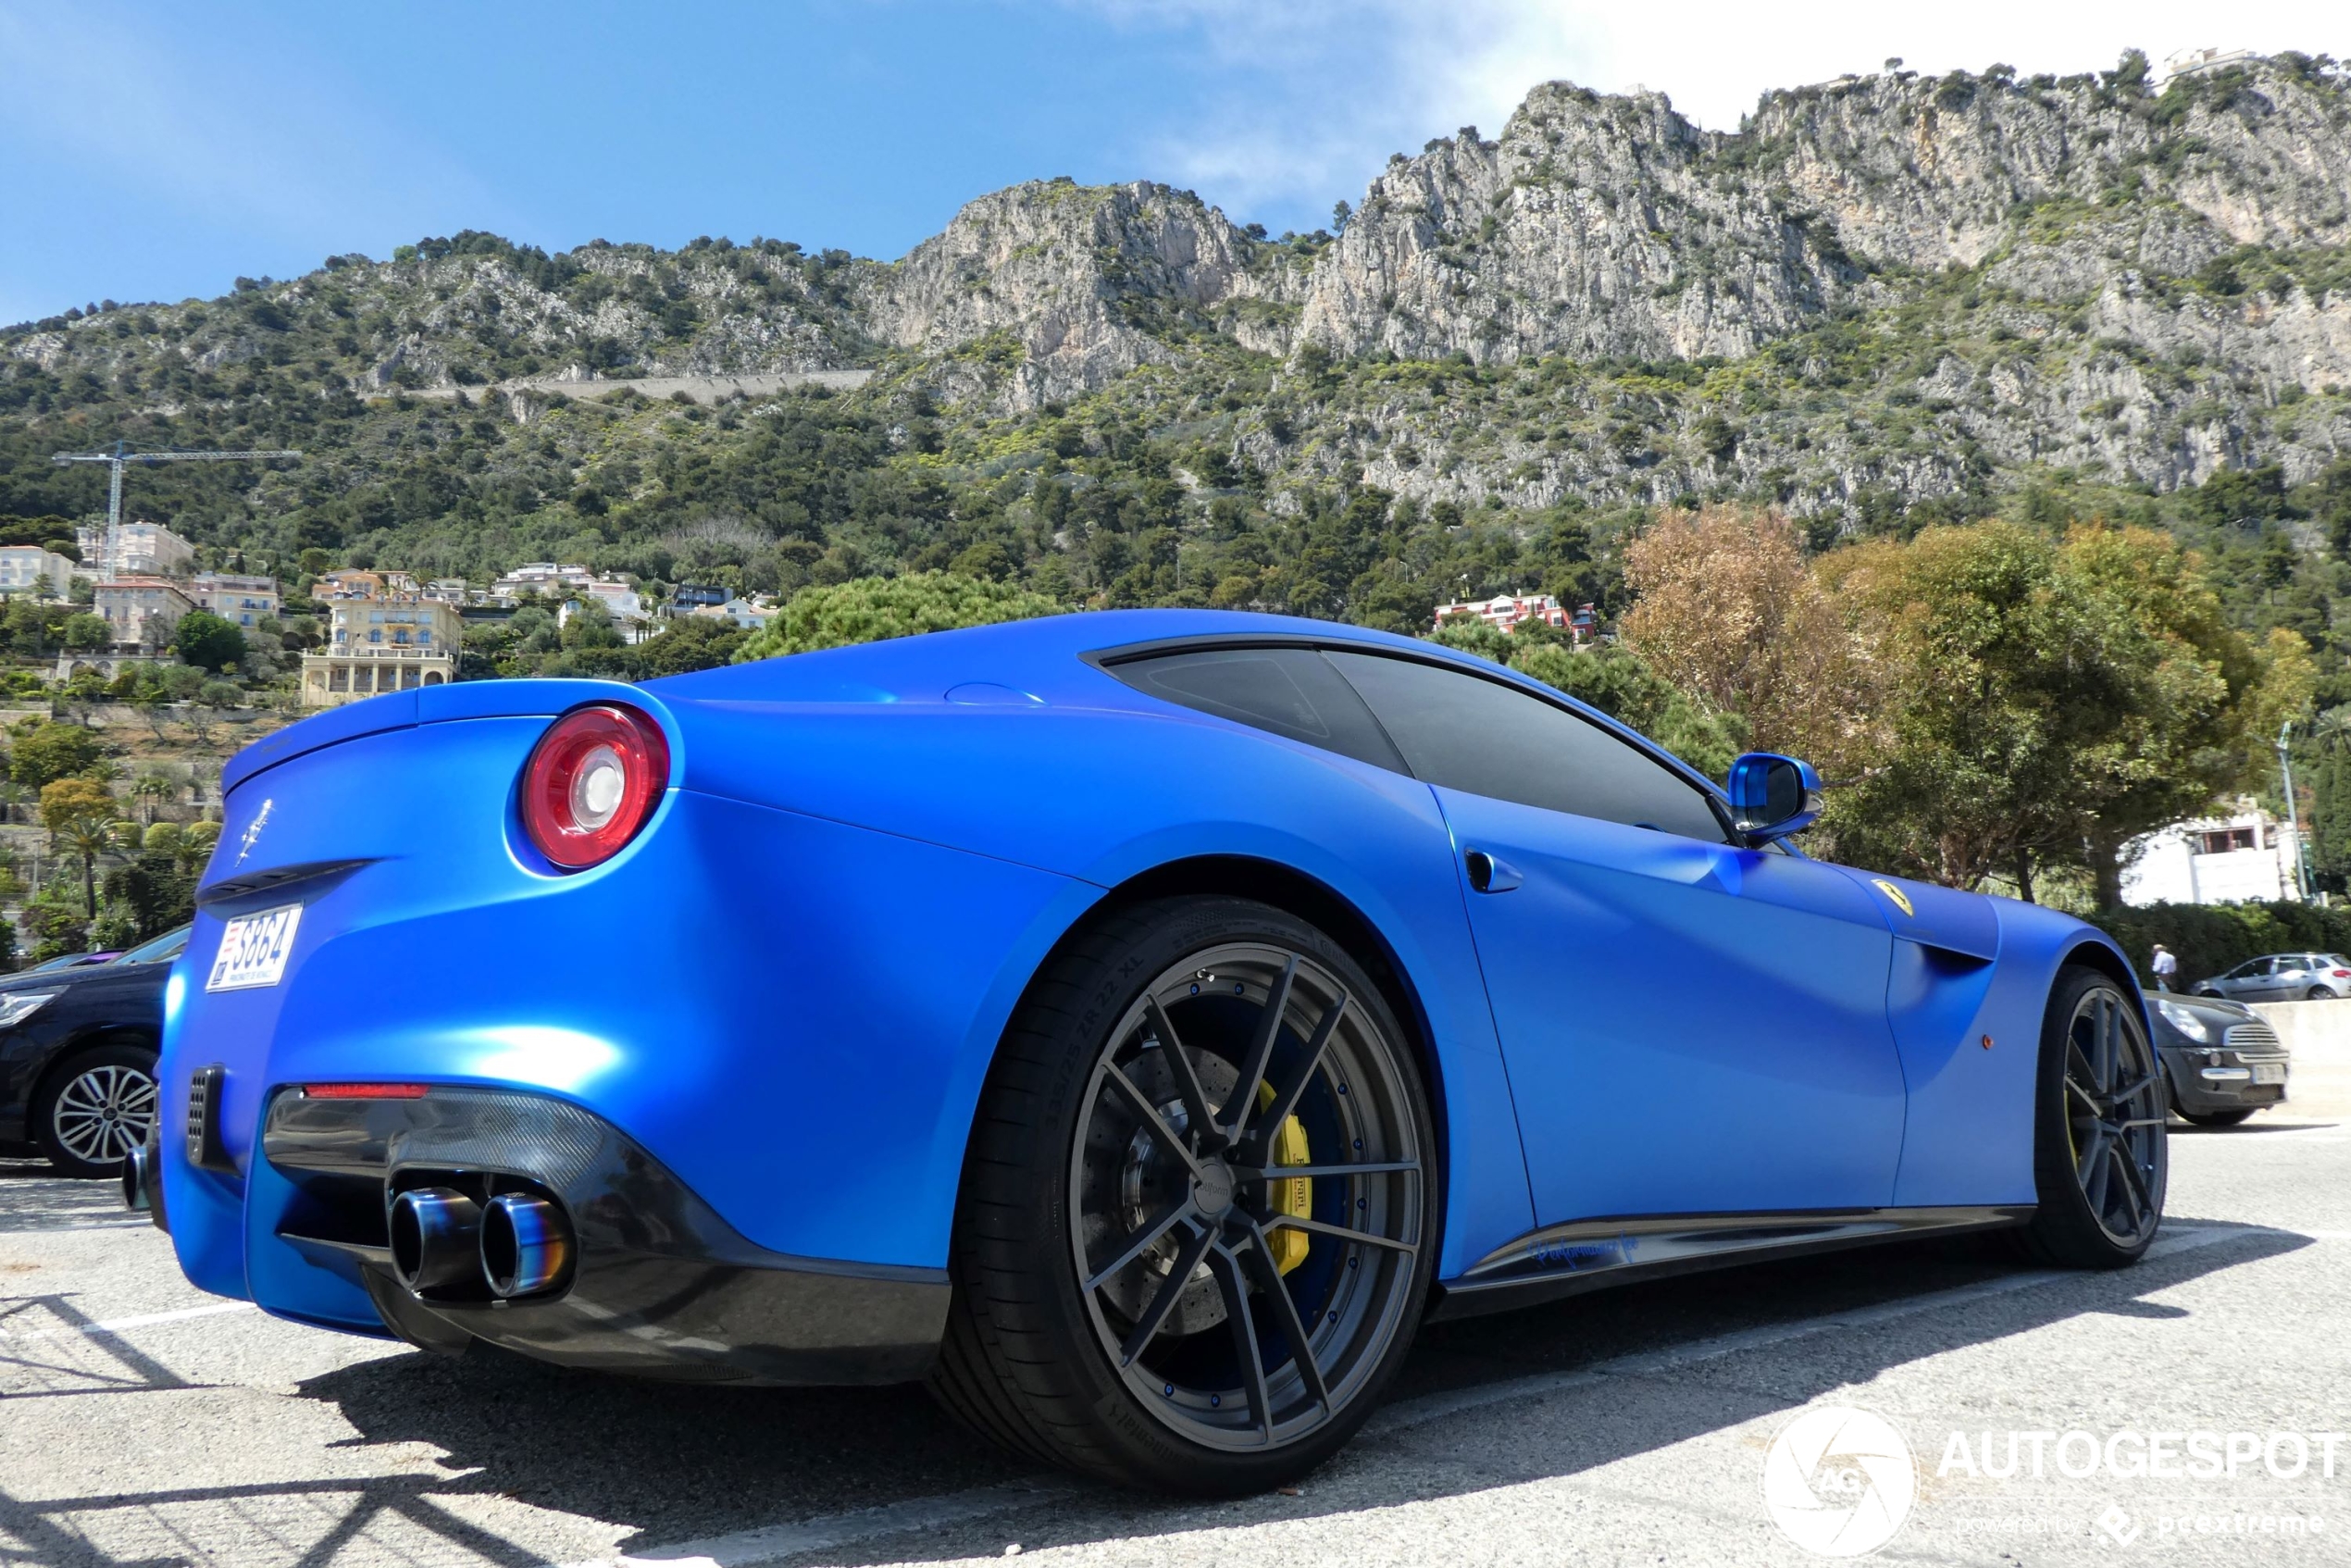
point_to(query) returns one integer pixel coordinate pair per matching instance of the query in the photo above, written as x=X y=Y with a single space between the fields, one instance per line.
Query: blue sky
x=157 y=151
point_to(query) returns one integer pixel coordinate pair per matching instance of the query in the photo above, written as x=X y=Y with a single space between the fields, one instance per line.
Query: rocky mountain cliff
x=1878 y=294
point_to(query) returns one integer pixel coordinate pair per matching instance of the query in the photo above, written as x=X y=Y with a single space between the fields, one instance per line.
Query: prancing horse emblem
x=261 y=817
x=1880 y=883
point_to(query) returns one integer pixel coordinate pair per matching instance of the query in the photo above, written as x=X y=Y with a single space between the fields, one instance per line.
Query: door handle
x=1488 y=875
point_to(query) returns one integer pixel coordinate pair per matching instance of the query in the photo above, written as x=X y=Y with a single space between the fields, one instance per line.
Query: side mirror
x=1772 y=796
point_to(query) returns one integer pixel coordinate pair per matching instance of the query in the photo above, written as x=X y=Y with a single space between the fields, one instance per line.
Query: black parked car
x=77 y=1057
x=2221 y=1060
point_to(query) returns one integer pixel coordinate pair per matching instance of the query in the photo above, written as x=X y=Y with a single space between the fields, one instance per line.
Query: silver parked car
x=2282 y=976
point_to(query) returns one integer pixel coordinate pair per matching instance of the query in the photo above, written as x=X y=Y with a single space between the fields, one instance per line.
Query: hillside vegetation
x=1883 y=304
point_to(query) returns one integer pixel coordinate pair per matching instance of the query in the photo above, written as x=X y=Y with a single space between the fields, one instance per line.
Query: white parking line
x=747 y=1548
x=122 y=1325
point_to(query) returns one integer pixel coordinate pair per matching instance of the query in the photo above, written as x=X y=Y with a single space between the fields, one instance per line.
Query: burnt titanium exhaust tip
x=525 y=1245
x=434 y=1232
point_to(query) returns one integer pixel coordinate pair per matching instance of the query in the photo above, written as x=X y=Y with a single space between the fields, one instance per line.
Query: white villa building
x=2247 y=854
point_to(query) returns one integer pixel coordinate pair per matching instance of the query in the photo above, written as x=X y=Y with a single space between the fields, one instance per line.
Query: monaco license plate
x=253 y=948
x=2269 y=1072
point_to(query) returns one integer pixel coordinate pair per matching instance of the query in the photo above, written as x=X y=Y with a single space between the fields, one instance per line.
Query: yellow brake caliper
x=1294 y=1196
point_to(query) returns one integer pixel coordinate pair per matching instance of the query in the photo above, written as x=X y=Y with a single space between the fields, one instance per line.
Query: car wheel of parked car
x=1198 y=1217
x=2100 y=1159
x=2205 y=991
x=96 y=1108
x=2218 y=1118
x=2317 y=993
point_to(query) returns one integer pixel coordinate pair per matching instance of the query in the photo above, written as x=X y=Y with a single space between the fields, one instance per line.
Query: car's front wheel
x=95 y=1107
x=2101 y=1158
x=1199 y=1211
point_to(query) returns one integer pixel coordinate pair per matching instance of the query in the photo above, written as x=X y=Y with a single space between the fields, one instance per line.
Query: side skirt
x=1567 y=1260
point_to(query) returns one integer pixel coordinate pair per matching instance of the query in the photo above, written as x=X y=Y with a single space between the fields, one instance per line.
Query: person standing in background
x=2165 y=966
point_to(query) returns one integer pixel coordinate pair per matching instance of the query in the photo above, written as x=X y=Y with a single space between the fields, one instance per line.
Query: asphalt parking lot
x=144 y=1424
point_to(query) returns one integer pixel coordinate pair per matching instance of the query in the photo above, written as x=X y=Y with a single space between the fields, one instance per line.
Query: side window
x=1291 y=691
x=1486 y=738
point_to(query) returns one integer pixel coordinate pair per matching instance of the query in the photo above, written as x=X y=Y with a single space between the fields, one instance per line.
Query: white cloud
x=1354 y=81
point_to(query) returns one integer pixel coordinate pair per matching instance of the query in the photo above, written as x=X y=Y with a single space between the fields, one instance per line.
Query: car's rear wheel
x=2100 y=1159
x=2317 y=993
x=96 y=1108
x=1199 y=1211
x=2218 y=1118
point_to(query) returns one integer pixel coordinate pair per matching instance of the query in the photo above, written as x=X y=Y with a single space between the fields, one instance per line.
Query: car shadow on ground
x=678 y=1462
x=34 y=1197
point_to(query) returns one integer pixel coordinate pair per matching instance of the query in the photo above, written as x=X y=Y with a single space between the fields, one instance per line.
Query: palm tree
x=150 y=790
x=88 y=837
x=2332 y=729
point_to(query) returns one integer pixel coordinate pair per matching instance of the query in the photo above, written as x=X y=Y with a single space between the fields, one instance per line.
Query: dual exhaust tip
x=515 y=1245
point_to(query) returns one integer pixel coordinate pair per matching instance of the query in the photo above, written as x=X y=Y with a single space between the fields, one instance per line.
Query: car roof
x=1053 y=659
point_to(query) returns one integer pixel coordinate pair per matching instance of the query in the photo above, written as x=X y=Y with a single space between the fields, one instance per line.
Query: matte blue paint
x=789 y=986
x=1689 y=1026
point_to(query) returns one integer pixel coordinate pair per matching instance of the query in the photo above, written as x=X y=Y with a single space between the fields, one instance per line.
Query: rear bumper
x=772 y=1028
x=662 y=1286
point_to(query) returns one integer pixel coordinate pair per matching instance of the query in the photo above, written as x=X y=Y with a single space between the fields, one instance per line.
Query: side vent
x=206 y=1151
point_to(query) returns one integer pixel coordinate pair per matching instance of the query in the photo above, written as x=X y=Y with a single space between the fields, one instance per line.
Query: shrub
x=2210 y=939
x=871 y=609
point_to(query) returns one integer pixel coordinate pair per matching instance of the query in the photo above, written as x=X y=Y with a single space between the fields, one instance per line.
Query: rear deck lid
x=431 y=705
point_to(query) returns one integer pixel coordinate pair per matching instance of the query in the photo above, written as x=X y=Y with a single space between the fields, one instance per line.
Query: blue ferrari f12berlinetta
x=1135 y=1024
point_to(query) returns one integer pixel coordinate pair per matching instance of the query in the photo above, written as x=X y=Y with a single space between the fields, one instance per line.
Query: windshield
x=163 y=947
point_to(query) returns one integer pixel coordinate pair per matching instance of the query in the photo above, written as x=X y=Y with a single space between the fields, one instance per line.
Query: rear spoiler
x=431 y=705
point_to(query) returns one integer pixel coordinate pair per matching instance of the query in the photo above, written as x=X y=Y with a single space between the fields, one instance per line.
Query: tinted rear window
x=1291 y=691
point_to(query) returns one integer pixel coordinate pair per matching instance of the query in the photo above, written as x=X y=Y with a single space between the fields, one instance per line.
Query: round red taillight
x=590 y=782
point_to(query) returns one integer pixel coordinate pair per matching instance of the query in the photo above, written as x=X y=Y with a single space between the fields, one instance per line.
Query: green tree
x=871 y=609
x=208 y=641
x=85 y=631
x=589 y=625
x=80 y=815
x=154 y=888
x=691 y=642
x=52 y=752
x=2046 y=700
x=196 y=841
x=151 y=789
x=56 y=927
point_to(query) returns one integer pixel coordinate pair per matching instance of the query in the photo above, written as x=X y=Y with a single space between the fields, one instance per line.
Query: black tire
x=2207 y=991
x=2100 y=1161
x=1066 y=1174
x=94 y=1106
x=2218 y=1118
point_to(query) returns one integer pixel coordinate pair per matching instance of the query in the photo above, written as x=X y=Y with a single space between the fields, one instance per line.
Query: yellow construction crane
x=122 y=455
